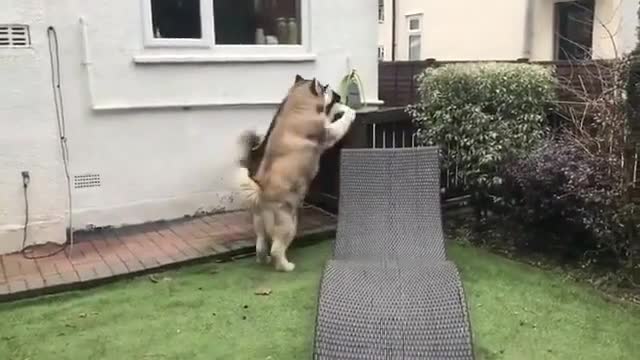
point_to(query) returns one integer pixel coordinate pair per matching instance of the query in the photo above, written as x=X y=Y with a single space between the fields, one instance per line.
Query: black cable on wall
x=54 y=57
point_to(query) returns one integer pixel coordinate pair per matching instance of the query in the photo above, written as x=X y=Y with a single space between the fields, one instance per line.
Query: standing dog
x=276 y=173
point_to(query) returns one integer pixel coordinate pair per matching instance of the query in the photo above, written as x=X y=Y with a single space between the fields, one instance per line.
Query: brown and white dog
x=276 y=172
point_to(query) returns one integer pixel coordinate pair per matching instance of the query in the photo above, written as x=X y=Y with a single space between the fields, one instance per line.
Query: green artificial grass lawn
x=211 y=311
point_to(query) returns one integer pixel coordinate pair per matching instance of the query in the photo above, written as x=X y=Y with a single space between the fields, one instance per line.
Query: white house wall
x=384 y=30
x=628 y=25
x=459 y=29
x=494 y=29
x=469 y=30
x=28 y=134
x=156 y=159
x=608 y=29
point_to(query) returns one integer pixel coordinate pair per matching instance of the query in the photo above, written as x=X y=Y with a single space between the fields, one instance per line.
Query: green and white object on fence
x=352 y=91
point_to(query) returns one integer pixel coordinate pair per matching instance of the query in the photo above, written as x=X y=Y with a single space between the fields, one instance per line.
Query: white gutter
x=86 y=59
x=528 y=30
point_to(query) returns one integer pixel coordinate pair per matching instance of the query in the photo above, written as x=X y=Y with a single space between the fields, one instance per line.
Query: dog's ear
x=315 y=87
x=298 y=79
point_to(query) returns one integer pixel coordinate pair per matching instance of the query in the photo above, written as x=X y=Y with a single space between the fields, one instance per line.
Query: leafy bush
x=561 y=190
x=481 y=114
x=572 y=193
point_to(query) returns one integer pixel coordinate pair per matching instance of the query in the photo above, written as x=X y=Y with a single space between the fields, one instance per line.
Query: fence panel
x=386 y=128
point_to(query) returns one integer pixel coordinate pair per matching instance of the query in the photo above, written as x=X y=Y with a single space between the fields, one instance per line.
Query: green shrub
x=572 y=204
x=481 y=114
x=573 y=193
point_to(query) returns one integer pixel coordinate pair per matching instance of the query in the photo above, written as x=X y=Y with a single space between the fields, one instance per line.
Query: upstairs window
x=381 y=11
x=414 y=29
x=574 y=30
x=257 y=22
x=415 y=47
x=205 y=23
x=179 y=19
x=414 y=24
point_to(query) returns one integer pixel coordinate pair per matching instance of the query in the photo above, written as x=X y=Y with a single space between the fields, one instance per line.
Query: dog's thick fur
x=276 y=171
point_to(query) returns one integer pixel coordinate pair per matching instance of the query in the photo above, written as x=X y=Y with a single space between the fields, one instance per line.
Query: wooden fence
x=385 y=128
x=397 y=85
x=392 y=127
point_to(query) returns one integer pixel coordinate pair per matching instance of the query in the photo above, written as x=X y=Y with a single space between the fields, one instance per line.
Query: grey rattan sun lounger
x=389 y=291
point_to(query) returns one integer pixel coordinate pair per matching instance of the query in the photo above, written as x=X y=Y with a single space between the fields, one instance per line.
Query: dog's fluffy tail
x=248 y=187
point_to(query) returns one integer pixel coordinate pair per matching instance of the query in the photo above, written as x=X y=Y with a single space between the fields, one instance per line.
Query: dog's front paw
x=350 y=114
x=341 y=108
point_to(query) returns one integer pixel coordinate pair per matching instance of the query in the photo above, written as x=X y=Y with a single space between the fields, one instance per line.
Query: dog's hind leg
x=284 y=230
x=262 y=251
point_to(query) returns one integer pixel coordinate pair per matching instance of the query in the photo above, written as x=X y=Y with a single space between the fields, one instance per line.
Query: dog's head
x=322 y=94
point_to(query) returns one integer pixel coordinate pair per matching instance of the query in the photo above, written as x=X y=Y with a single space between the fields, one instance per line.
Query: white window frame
x=207 y=18
x=414 y=17
x=380 y=52
x=380 y=11
x=414 y=32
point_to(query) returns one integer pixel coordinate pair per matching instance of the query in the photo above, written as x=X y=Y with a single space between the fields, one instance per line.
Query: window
x=14 y=36
x=574 y=30
x=260 y=22
x=414 y=47
x=380 y=11
x=205 y=23
x=176 y=19
x=414 y=24
x=414 y=29
x=381 y=53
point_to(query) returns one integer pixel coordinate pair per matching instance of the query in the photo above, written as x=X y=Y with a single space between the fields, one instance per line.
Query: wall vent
x=86 y=181
x=14 y=36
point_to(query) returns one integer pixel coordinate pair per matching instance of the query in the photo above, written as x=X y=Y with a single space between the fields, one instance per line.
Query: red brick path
x=107 y=254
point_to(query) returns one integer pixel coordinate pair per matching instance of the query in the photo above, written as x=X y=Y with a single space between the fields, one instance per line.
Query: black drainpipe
x=393 y=30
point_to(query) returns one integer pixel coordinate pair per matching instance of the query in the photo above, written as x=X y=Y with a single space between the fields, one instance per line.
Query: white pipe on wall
x=528 y=30
x=86 y=59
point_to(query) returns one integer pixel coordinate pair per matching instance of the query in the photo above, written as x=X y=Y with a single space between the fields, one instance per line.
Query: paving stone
x=53 y=280
x=17 y=285
x=34 y=282
x=102 y=254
